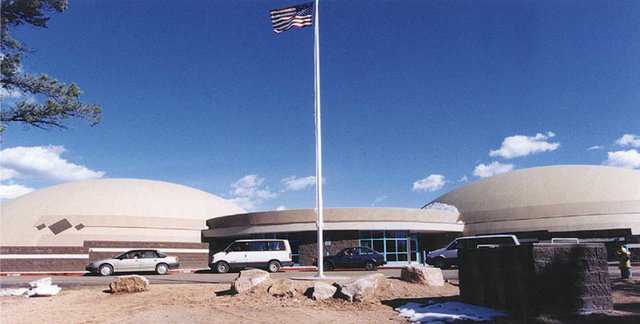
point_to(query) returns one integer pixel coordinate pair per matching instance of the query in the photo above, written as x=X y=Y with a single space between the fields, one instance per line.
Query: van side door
x=237 y=253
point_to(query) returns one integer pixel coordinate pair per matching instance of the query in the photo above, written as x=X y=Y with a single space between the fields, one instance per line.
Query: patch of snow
x=12 y=292
x=447 y=312
x=42 y=287
x=40 y=282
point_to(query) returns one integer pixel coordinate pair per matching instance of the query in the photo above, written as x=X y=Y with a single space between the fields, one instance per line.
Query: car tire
x=105 y=270
x=222 y=267
x=162 y=269
x=328 y=266
x=440 y=263
x=274 y=266
x=370 y=266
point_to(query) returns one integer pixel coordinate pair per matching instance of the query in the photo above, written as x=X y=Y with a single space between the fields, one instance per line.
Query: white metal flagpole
x=319 y=207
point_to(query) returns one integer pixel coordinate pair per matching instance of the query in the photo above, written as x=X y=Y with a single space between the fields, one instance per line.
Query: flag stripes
x=286 y=18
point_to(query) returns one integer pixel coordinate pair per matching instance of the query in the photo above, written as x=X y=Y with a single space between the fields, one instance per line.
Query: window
x=396 y=246
x=258 y=246
x=133 y=255
x=238 y=247
x=276 y=246
x=149 y=254
x=364 y=251
x=453 y=245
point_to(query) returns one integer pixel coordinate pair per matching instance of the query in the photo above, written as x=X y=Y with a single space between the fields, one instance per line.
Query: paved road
x=208 y=277
x=187 y=278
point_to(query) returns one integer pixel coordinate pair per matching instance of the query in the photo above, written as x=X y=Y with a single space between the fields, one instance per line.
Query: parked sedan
x=355 y=257
x=133 y=261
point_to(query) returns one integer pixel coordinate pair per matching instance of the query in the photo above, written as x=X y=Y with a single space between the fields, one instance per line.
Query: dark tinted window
x=238 y=247
x=258 y=246
x=149 y=254
x=133 y=255
x=364 y=251
x=276 y=246
x=453 y=246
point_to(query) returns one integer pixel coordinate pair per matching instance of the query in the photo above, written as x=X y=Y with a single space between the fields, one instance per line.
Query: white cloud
x=433 y=182
x=378 y=200
x=293 y=183
x=521 y=145
x=595 y=147
x=10 y=191
x=442 y=206
x=483 y=171
x=249 y=192
x=281 y=207
x=10 y=93
x=42 y=162
x=7 y=174
x=629 y=140
x=626 y=159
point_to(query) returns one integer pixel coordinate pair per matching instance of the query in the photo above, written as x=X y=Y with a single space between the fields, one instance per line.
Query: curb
x=75 y=273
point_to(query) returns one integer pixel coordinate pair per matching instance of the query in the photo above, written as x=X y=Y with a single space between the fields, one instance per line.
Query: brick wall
x=542 y=278
x=187 y=260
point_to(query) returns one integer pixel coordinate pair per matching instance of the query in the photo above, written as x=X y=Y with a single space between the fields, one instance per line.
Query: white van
x=268 y=254
x=447 y=256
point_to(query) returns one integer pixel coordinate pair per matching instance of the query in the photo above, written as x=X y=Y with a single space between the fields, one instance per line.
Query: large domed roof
x=559 y=198
x=129 y=197
x=109 y=204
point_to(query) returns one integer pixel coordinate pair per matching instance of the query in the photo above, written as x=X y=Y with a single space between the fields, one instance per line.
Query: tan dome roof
x=106 y=207
x=555 y=198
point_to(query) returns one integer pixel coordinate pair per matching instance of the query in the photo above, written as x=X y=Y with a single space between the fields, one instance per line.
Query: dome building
x=400 y=234
x=65 y=226
x=593 y=203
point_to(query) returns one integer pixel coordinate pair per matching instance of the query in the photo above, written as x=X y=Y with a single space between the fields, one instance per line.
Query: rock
x=428 y=276
x=249 y=279
x=40 y=282
x=282 y=288
x=362 y=289
x=323 y=290
x=6 y=292
x=129 y=284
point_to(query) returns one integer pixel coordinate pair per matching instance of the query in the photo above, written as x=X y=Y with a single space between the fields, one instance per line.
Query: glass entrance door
x=398 y=247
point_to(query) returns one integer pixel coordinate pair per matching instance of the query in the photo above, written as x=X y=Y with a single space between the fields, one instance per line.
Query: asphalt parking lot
x=207 y=277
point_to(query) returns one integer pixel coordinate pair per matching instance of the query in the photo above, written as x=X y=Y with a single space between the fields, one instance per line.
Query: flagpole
x=319 y=202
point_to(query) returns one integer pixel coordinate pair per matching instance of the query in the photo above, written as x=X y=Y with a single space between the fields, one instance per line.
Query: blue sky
x=205 y=94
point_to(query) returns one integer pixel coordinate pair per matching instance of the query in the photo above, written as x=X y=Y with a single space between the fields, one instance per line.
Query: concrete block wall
x=542 y=278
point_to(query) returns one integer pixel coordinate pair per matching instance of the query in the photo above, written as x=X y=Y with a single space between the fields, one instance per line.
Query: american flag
x=286 y=18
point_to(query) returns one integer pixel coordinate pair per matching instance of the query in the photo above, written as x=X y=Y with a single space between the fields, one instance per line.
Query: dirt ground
x=208 y=303
x=213 y=303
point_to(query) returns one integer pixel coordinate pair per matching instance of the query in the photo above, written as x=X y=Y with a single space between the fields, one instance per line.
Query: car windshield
x=121 y=256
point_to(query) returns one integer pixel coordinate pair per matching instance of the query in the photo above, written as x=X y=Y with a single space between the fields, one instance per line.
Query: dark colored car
x=355 y=257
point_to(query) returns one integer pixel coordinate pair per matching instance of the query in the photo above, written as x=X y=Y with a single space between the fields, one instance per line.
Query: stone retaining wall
x=542 y=278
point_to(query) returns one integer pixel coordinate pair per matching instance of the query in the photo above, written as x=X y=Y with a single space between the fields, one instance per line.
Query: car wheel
x=222 y=267
x=162 y=269
x=370 y=266
x=105 y=270
x=274 y=266
x=440 y=263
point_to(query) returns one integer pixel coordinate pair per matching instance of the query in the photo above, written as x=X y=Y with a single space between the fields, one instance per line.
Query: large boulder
x=362 y=289
x=282 y=288
x=129 y=284
x=428 y=276
x=323 y=290
x=250 y=279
